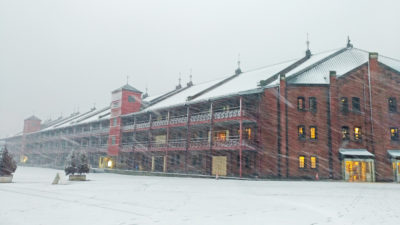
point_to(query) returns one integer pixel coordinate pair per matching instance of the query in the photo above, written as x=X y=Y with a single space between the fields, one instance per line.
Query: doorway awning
x=355 y=153
x=395 y=154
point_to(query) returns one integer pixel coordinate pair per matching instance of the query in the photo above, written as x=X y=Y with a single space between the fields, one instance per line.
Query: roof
x=128 y=88
x=394 y=153
x=392 y=63
x=33 y=118
x=316 y=70
x=181 y=98
x=355 y=152
x=244 y=82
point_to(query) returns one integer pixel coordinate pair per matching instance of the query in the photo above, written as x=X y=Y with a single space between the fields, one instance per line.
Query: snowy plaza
x=126 y=200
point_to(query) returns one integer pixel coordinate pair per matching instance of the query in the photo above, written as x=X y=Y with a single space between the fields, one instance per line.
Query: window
x=356 y=104
x=392 y=104
x=177 y=159
x=248 y=133
x=313 y=104
x=394 y=134
x=300 y=104
x=313 y=161
x=131 y=98
x=301 y=162
x=114 y=122
x=113 y=140
x=345 y=133
x=301 y=132
x=344 y=105
x=313 y=132
x=357 y=133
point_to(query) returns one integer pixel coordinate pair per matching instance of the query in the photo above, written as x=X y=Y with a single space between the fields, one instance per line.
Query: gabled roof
x=342 y=61
x=128 y=88
x=390 y=62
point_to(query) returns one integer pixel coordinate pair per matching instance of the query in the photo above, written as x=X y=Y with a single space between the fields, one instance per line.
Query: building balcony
x=178 y=120
x=230 y=143
x=159 y=123
x=200 y=117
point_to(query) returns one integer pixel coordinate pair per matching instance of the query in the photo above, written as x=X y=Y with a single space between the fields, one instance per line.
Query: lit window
x=392 y=105
x=313 y=160
x=300 y=103
x=313 y=132
x=344 y=105
x=313 y=104
x=301 y=132
x=345 y=133
x=357 y=133
x=356 y=104
x=221 y=136
x=394 y=134
x=248 y=132
x=301 y=162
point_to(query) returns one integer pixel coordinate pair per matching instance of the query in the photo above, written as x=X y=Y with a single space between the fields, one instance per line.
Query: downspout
x=370 y=108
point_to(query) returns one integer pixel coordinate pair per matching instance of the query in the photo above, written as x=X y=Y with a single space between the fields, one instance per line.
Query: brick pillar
x=283 y=154
x=369 y=127
x=334 y=129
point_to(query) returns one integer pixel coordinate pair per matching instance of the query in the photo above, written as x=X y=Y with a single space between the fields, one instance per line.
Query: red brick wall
x=268 y=122
x=308 y=147
x=125 y=107
x=385 y=84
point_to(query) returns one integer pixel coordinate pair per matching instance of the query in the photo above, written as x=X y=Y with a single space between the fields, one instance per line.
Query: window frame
x=344 y=104
x=312 y=104
x=354 y=102
x=304 y=162
x=316 y=162
x=316 y=133
x=303 y=104
x=396 y=136
x=360 y=133
x=392 y=104
x=348 y=133
x=301 y=136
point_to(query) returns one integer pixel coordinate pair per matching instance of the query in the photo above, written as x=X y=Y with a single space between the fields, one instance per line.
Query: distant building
x=328 y=115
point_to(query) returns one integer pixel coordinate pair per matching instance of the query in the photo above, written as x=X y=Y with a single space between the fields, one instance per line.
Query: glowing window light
x=313 y=133
x=357 y=133
x=313 y=162
x=301 y=162
x=109 y=163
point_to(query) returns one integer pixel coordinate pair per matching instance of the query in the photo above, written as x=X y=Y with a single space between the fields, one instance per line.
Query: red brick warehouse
x=327 y=115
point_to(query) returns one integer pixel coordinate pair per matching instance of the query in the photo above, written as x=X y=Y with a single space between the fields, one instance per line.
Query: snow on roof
x=393 y=63
x=394 y=153
x=127 y=87
x=182 y=97
x=81 y=118
x=245 y=81
x=355 y=152
x=316 y=69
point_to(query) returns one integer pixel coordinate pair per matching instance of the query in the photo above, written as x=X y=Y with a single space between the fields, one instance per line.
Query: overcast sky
x=58 y=56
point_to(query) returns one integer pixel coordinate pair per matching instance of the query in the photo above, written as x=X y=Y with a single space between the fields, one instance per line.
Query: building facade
x=331 y=115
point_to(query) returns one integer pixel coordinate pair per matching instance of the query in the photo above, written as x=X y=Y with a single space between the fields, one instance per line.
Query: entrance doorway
x=158 y=164
x=359 y=170
x=219 y=165
x=396 y=170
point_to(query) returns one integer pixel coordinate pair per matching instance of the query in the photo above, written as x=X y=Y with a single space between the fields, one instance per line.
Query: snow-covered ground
x=120 y=199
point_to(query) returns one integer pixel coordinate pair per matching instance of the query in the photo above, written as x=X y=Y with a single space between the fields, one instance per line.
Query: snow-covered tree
x=76 y=162
x=7 y=163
